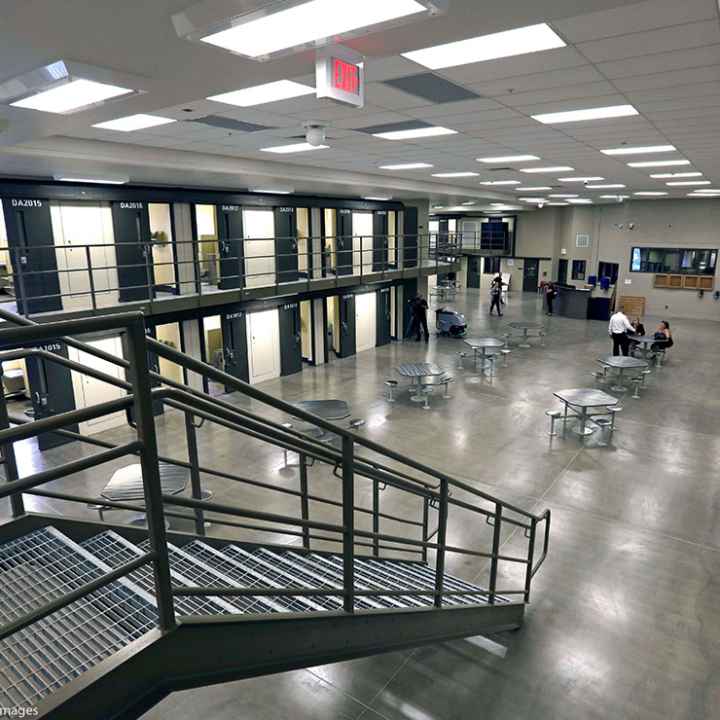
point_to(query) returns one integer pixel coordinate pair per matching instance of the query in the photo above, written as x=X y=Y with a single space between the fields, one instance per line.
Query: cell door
x=286 y=245
x=230 y=241
x=382 y=322
x=347 y=326
x=473 y=272
x=562 y=271
x=365 y=321
x=410 y=237
x=380 y=241
x=131 y=228
x=290 y=339
x=263 y=346
x=29 y=230
x=530 y=274
x=235 y=347
x=344 y=243
x=51 y=392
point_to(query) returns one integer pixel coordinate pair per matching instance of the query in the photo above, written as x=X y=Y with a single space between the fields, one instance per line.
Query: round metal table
x=584 y=399
x=525 y=327
x=644 y=342
x=483 y=344
x=416 y=372
x=326 y=409
x=621 y=364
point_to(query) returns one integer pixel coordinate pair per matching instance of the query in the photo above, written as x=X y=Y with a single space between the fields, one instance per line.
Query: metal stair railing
x=347 y=462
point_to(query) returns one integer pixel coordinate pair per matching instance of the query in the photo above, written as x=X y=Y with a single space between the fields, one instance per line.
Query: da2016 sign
x=340 y=75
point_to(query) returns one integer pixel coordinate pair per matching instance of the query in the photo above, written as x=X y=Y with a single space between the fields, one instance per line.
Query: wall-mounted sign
x=340 y=75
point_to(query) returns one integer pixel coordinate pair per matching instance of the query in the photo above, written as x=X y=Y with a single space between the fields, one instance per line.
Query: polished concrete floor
x=624 y=620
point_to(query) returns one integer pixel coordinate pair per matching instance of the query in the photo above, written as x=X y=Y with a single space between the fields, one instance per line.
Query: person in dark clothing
x=496 y=294
x=550 y=295
x=419 y=308
x=663 y=336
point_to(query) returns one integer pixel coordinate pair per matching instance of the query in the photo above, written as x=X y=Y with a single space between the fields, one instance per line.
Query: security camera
x=314 y=133
x=541 y=205
x=631 y=226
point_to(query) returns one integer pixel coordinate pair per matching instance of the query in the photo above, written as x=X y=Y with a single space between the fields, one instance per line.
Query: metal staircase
x=102 y=620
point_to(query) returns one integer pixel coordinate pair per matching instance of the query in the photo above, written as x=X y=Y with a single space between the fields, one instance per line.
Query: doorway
x=562 y=271
x=473 y=271
x=259 y=230
x=263 y=335
x=208 y=250
x=365 y=321
x=306 y=331
x=362 y=243
x=530 y=274
x=213 y=341
x=163 y=248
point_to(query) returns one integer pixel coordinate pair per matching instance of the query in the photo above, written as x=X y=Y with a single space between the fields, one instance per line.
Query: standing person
x=419 y=309
x=496 y=294
x=550 y=295
x=618 y=329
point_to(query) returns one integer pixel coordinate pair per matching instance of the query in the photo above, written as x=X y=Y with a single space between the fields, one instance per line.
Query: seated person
x=639 y=330
x=663 y=336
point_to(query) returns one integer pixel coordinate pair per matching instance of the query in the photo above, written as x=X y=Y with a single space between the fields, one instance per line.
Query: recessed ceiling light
x=438 y=207
x=688 y=183
x=580 y=201
x=500 y=182
x=658 y=163
x=666 y=176
x=556 y=168
x=706 y=190
x=704 y=195
x=272 y=191
x=406 y=166
x=614 y=197
x=640 y=150
x=470 y=202
x=539 y=188
x=376 y=198
x=610 y=186
x=71 y=96
x=260 y=94
x=533 y=200
x=600 y=113
x=134 y=122
x=649 y=193
x=304 y=23
x=103 y=181
x=520 y=41
x=558 y=204
x=508 y=159
x=294 y=148
x=563 y=195
x=455 y=174
x=423 y=132
x=588 y=179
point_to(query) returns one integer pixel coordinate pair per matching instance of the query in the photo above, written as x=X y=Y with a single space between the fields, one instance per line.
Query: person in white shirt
x=618 y=329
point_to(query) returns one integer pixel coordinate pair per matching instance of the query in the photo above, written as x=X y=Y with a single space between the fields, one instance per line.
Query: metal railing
x=355 y=459
x=49 y=277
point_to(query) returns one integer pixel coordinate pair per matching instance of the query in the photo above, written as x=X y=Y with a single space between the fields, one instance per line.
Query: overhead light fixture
x=294 y=148
x=94 y=180
x=261 y=94
x=580 y=201
x=293 y=25
x=470 y=202
x=501 y=182
x=272 y=191
x=590 y=178
x=539 y=188
x=508 y=159
x=706 y=190
x=455 y=174
x=533 y=200
x=71 y=96
x=667 y=176
x=563 y=195
x=688 y=183
x=600 y=113
x=134 y=122
x=614 y=197
x=423 y=132
x=558 y=204
x=704 y=195
x=658 y=163
x=376 y=199
x=639 y=150
x=609 y=186
x=438 y=207
x=406 y=166
x=556 y=168
x=649 y=193
x=520 y=41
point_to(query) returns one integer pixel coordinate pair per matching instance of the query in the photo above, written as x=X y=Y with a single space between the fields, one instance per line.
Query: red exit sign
x=345 y=76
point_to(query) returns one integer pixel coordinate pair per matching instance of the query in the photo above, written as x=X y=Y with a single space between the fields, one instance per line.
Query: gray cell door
x=383 y=321
x=530 y=274
x=473 y=272
x=235 y=349
x=344 y=243
x=347 y=326
x=410 y=237
x=290 y=339
x=380 y=241
x=131 y=228
x=562 y=271
x=286 y=245
x=230 y=243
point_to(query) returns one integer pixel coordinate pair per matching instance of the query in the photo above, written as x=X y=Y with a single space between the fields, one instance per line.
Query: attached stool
x=287 y=426
x=637 y=382
x=553 y=415
x=390 y=394
x=460 y=360
x=605 y=425
x=614 y=410
x=505 y=352
x=644 y=375
x=356 y=423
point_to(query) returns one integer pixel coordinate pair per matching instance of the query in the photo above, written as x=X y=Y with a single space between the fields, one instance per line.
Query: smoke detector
x=315 y=132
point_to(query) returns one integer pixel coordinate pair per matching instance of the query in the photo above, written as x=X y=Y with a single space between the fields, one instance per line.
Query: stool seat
x=603 y=422
x=391 y=383
x=553 y=413
x=356 y=423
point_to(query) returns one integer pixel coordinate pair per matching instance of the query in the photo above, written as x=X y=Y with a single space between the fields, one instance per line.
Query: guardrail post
x=376 y=517
x=348 y=495
x=425 y=527
x=93 y=300
x=304 y=504
x=7 y=449
x=531 y=555
x=193 y=459
x=143 y=413
x=495 y=552
x=441 y=539
x=23 y=305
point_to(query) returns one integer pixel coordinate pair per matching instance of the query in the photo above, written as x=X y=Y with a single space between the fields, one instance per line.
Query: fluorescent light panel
x=261 y=94
x=508 y=159
x=580 y=201
x=600 y=113
x=500 y=182
x=520 y=41
x=134 y=122
x=103 y=181
x=309 y=22
x=433 y=131
x=406 y=166
x=533 y=189
x=456 y=174
x=640 y=150
x=614 y=197
x=658 y=163
x=648 y=193
x=558 y=204
x=71 y=96
x=470 y=202
x=376 y=199
x=667 y=176
x=610 y=186
x=563 y=195
x=533 y=200
x=294 y=148
x=272 y=191
x=591 y=178
x=556 y=168
x=706 y=190
x=688 y=183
